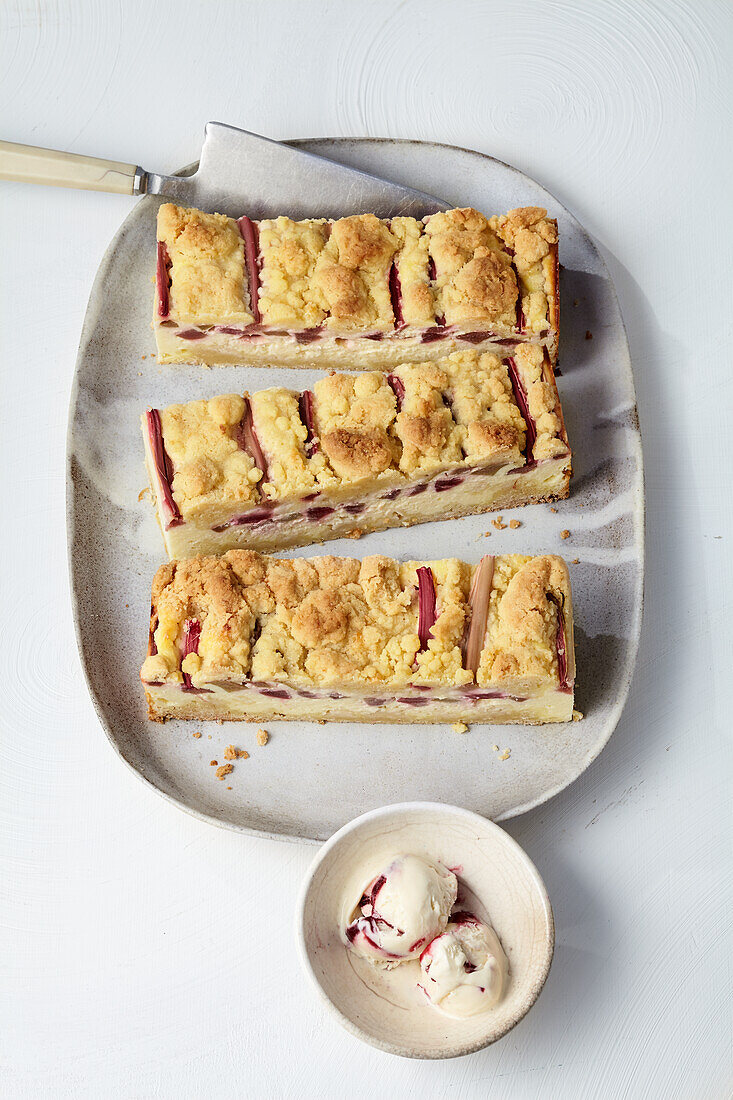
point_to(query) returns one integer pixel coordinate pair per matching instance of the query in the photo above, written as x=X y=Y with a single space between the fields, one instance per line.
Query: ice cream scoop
x=401 y=910
x=465 y=968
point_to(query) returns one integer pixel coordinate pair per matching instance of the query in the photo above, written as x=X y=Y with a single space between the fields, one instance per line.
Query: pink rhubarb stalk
x=191 y=635
x=247 y=439
x=398 y=388
x=164 y=471
x=520 y=396
x=561 y=649
x=426 y=600
x=395 y=293
x=305 y=408
x=162 y=278
x=478 y=602
x=250 y=236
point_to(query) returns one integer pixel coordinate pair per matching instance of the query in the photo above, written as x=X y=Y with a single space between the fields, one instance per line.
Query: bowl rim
x=486 y=825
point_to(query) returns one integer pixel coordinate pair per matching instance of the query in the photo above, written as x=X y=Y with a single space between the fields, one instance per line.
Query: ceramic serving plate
x=310 y=779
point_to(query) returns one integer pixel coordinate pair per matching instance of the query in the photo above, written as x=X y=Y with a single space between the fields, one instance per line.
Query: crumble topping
x=542 y=397
x=483 y=405
x=530 y=234
x=353 y=414
x=328 y=621
x=522 y=625
x=460 y=410
x=209 y=467
x=474 y=278
x=207 y=272
x=412 y=262
x=289 y=251
x=282 y=436
x=424 y=426
x=352 y=274
x=458 y=267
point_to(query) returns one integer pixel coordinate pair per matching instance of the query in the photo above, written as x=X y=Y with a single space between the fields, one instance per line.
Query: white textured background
x=143 y=954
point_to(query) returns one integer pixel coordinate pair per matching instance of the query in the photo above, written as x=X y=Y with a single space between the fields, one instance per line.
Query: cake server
x=238 y=172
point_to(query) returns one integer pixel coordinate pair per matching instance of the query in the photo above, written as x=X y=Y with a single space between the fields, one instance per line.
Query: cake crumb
x=498 y=524
x=575 y=561
x=565 y=534
x=143 y=356
x=229 y=788
x=486 y=534
x=321 y=721
x=588 y=335
x=262 y=737
x=459 y=727
x=225 y=769
x=231 y=752
x=514 y=523
x=209 y=737
x=506 y=754
x=495 y=748
x=143 y=492
x=553 y=509
x=197 y=734
x=577 y=715
x=213 y=763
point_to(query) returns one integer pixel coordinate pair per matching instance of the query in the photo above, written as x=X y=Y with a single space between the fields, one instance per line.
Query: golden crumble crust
x=209 y=467
x=352 y=274
x=544 y=406
x=424 y=426
x=282 y=436
x=328 y=620
x=412 y=263
x=353 y=414
x=474 y=278
x=458 y=411
x=207 y=268
x=532 y=236
x=523 y=622
x=483 y=405
x=289 y=296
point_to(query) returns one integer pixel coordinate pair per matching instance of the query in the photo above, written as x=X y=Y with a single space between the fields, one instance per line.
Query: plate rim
x=638 y=509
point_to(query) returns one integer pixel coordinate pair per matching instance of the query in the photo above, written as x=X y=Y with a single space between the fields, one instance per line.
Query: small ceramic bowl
x=373 y=1004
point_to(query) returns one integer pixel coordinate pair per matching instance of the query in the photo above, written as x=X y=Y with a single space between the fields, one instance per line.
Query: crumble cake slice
x=362 y=452
x=354 y=291
x=253 y=638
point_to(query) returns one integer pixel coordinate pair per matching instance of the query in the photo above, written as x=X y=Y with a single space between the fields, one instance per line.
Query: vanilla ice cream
x=465 y=968
x=401 y=910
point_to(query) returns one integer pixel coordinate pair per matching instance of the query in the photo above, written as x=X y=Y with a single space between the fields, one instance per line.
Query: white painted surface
x=137 y=946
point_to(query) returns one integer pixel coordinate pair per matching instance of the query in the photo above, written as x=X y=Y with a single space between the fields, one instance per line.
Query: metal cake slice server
x=238 y=173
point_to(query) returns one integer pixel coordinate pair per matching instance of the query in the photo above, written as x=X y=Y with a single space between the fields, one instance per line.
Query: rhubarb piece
x=368 y=451
x=398 y=387
x=312 y=639
x=163 y=280
x=521 y=397
x=305 y=406
x=167 y=506
x=248 y=441
x=478 y=602
x=248 y=229
x=426 y=603
x=357 y=290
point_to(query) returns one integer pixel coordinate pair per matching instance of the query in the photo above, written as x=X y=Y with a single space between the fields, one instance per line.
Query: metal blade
x=242 y=173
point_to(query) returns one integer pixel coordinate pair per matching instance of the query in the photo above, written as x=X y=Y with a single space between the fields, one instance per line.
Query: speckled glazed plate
x=310 y=779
